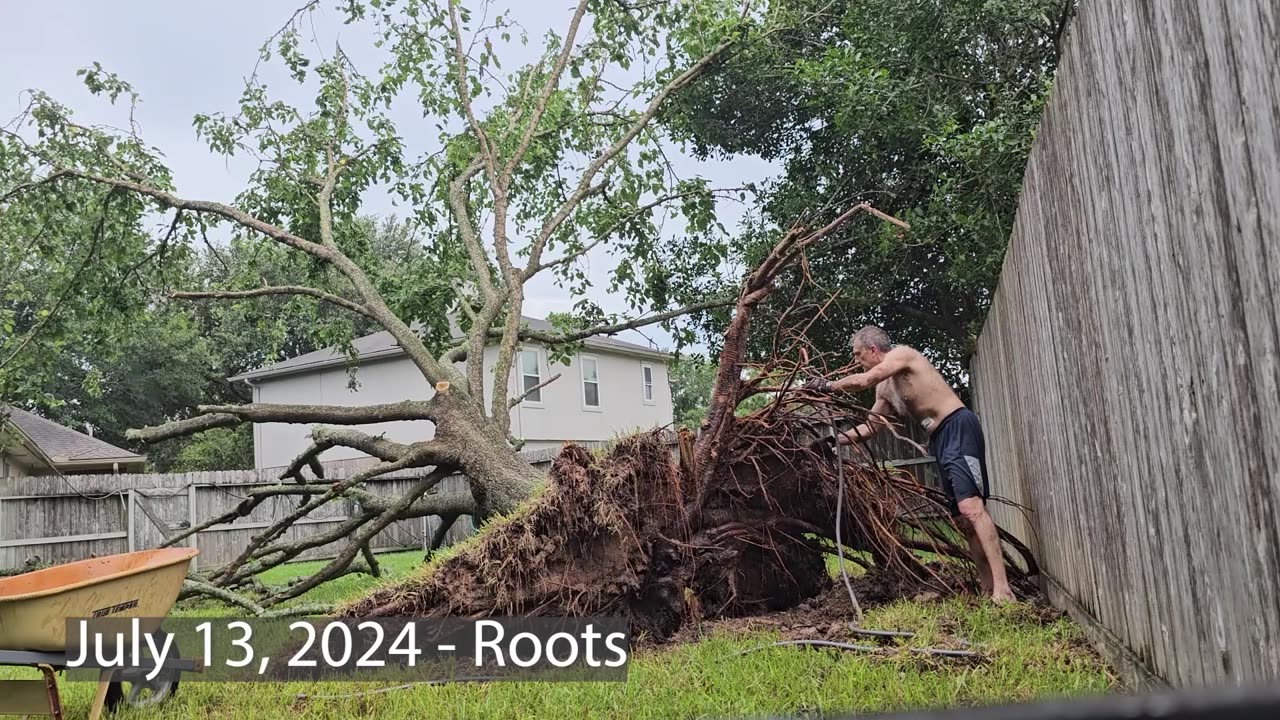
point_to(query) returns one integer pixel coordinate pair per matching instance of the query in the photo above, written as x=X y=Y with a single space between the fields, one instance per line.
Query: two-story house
x=610 y=388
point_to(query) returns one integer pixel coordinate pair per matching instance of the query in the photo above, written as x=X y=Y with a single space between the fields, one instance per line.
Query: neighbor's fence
x=908 y=453
x=65 y=519
x=1127 y=376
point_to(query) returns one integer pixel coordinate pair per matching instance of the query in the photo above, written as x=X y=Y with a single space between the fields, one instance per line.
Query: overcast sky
x=185 y=59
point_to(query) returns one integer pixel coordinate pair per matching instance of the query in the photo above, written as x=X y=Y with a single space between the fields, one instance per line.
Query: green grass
x=1029 y=658
x=394 y=565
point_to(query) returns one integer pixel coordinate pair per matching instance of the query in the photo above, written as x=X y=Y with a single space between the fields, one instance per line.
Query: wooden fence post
x=128 y=518
x=191 y=518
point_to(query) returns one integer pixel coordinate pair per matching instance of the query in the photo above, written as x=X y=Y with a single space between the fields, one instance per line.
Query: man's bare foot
x=1003 y=597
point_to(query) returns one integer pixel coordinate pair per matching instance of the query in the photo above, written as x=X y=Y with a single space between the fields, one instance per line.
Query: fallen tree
x=782 y=503
x=735 y=523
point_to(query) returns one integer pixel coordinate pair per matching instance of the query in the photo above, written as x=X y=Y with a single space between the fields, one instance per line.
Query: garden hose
x=835 y=438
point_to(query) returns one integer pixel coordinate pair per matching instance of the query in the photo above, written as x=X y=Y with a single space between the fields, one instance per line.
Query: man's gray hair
x=871 y=337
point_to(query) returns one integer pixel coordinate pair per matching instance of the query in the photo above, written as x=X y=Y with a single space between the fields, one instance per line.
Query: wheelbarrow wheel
x=135 y=690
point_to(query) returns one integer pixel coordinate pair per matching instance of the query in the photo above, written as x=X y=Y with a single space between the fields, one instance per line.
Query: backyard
x=1029 y=652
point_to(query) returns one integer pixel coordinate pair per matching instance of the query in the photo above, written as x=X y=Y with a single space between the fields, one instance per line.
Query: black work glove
x=818 y=384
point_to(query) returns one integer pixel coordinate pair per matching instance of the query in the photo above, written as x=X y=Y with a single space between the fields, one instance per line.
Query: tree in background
x=178 y=355
x=926 y=108
x=692 y=378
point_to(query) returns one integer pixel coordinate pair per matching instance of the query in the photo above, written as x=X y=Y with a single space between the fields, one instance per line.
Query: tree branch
x=464 y=96
x=191 y=587
x=435 y=506
x=461 y=352
x=475 y=250
x=584 y=184
x=230 y=415
x=33 y=184
x=548 y=88
x=307 y=458
x=228 y=574
x=530 y=272
x=179 y=428
x=376 y=446
x=460 y=503
x=373 y=302
x=324 y=198
x=517 y=400
x=259 y=557
x=199 y=206
x=437 y=538
x=98 y=231
x=273 y=290
x=613 y=329
x=457 y=353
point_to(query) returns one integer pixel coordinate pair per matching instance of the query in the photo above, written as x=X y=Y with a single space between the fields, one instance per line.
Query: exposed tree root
x=623 y=535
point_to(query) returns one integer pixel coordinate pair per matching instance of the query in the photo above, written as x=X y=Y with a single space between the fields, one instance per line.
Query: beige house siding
x=561 y=415
x=564 y=414
x=11 y=468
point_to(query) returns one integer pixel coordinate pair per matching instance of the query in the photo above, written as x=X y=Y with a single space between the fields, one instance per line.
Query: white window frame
x=520 y=376
x=582 y=383
x=648 y=389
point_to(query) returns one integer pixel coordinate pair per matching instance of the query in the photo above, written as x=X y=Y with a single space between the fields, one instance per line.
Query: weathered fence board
x=1128 y=375
x=54 y=519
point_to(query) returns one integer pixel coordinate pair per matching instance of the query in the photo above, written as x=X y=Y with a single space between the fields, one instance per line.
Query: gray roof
x=383 y=345
x=62 y=444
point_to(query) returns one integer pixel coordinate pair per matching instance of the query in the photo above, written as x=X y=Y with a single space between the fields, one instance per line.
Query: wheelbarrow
x=35 y=607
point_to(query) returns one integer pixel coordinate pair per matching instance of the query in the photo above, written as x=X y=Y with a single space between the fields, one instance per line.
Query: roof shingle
x=63 y=444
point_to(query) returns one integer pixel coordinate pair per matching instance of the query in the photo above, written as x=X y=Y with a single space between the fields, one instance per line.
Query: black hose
x=874 y=649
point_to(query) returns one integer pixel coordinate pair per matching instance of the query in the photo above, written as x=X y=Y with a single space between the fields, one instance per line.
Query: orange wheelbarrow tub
x=35 y=607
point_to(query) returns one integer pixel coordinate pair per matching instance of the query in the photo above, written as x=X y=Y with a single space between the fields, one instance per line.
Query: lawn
x=1029 y=657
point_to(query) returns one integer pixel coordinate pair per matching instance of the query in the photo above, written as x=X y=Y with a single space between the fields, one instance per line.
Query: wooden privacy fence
x=1127 y=375
x=65 y=519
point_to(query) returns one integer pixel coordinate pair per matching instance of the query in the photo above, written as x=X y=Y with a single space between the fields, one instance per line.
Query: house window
x=530 y=376
x=590 y=382
x=646 y=372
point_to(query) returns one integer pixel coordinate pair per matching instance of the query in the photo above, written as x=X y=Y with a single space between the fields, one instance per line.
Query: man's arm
x=873 y=425
x=894 y=362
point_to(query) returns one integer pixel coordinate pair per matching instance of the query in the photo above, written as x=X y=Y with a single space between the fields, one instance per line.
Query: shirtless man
x=907 y=385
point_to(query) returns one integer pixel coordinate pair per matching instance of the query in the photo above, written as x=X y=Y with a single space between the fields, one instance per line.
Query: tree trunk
x=500 y=480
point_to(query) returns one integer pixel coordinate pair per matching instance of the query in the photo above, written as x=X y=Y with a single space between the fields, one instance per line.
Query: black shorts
x=960 y=451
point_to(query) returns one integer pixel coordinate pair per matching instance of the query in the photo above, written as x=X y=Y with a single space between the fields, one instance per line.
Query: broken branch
x=274 y=290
